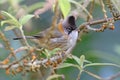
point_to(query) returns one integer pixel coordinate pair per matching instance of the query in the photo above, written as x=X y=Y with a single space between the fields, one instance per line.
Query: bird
x=63 y=36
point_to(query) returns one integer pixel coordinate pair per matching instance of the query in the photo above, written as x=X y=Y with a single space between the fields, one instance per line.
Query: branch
x=36 y=64
x=113 y=77
x=33 y=66
x=7 y=44
x=98 y=21
x=83 y=26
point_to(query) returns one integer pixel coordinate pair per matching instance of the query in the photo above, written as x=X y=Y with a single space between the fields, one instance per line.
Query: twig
x=82 y=26
x=16 y=51
x=48 y=5
x=103 y=9
x=113 y=77
x=81 y=7
x=112 y=7
x=94 y=75
x=24 y=38
x=28 y=54
x=36 y=63
x=79 y=75
x=55 y=17
x=7 y=44
x=58 y=58
x=91 y=9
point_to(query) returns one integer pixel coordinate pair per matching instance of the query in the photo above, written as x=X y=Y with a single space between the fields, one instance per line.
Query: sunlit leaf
x=54 y=76
x=65 y=7
x=12 y=19
x=64 y=65
x=76 y=59
x=8 y=15
x=102 y=64
x=86 y=61
x=46 y=53
x=25 y=19
x=9 y=28
x=82 y=59
x=5 y=21
x=54 y=51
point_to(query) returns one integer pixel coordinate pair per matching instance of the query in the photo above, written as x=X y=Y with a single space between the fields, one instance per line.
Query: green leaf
x=9 y=28
x=25 y=19
x=102 y=64
x=5 y=21
x=82 y=59
x=77 y=59
x=10 y=21
x=11 y=18
x=46 y=52
x=64 y=65
x=86 y=61
x=54 y=51
x=54 y=77
x=49 y=53
x=65 y=7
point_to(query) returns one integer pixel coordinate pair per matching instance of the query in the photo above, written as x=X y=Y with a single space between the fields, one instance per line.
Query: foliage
x=65 y=7
x=11 y=20
x=56 y=58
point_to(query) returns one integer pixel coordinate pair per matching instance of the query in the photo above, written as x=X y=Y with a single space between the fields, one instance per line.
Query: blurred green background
x=96 y=46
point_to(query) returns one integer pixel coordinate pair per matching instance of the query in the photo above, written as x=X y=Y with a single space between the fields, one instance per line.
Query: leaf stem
x=79 y=75
x=24 y=38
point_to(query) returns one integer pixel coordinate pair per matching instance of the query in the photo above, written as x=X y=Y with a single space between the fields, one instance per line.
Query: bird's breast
x=73 y=38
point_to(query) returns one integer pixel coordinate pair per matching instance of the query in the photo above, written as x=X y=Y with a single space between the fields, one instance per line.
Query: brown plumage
x=63 y=36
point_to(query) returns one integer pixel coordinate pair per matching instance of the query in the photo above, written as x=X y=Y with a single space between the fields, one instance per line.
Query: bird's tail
x=27 y=37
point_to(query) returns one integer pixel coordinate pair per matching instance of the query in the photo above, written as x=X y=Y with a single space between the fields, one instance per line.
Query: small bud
x=112 y=27
x=6 y=61
x=7 y=71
